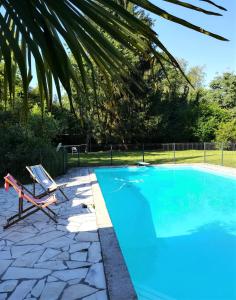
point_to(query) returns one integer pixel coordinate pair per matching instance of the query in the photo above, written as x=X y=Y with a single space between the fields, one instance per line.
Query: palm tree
x=47 y=30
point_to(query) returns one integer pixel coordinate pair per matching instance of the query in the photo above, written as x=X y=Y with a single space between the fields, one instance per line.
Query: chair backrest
x=41 y=176
x=18 y=187
x=10 y=180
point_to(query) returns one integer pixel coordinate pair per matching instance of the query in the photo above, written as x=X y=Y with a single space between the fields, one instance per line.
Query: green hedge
x=20 y=147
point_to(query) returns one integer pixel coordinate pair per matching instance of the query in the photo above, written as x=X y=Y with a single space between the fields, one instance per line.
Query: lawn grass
x=103 y=158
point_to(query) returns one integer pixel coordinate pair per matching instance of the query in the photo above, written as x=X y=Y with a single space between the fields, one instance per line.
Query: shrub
x=20 y=146
x=226 y=132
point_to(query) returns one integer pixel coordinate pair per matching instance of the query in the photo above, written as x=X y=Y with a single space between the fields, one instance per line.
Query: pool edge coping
x=119 y=284
x=225 y=170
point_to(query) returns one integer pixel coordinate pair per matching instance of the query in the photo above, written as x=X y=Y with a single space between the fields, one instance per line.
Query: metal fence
x=129 y=154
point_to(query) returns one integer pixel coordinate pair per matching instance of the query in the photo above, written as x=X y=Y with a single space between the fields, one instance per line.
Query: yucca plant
x=47 y=30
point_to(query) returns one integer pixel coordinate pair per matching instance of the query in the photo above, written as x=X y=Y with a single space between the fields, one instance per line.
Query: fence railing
x=129 y=154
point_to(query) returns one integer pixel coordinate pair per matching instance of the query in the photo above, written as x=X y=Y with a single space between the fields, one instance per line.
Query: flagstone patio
x=43 y=260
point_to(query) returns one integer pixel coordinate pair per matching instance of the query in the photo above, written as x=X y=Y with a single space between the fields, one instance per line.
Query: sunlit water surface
x=177 y=230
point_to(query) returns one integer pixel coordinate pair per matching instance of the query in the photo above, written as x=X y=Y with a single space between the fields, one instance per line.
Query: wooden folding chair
x=25 y=195
x=41 y=176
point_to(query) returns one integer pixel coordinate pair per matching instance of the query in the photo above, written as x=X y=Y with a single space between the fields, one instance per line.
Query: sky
x=198 y=49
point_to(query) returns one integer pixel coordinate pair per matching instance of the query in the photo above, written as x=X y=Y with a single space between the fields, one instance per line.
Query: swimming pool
x=176 y=227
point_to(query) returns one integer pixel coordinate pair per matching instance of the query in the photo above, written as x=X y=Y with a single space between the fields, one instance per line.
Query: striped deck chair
x=24 y=194
x=41 y=176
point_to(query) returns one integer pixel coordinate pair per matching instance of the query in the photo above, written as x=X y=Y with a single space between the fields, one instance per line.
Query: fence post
x=78 y=153
x=222 y=154
x=143 y=152
x=204 y=152
x=111 y=155
x=174 y=152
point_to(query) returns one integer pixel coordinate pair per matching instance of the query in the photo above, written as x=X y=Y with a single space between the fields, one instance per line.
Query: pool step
x=142 y=163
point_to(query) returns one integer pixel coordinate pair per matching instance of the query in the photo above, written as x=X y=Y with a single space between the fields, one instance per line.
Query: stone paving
x=43 y=260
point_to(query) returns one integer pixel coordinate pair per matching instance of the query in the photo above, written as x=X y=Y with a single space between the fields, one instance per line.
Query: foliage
x=41 y=29
x=157 y=109
x=160 y=109
x=210 y=115
x=25 y=146
x=226 y=132
x=223 y=90
x=147 y=100
x=174 y=105
x=47 y=127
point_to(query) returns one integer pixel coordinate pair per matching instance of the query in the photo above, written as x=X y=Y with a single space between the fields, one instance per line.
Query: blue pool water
x=177 y=230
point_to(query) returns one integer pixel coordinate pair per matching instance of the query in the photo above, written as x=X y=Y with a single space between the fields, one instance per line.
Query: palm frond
x=46 y=30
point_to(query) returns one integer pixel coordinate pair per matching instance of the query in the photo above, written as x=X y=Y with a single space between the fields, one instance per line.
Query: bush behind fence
x=14 y=162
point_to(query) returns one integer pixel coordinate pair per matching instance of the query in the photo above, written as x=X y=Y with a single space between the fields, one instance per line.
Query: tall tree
x=223 y=90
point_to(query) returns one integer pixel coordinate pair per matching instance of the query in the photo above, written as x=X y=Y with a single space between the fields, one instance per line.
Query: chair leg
x=64 y=194
x=21 y=217
x=20 y=206
x=51 y=211
x=46 y=213
x=22 y=212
